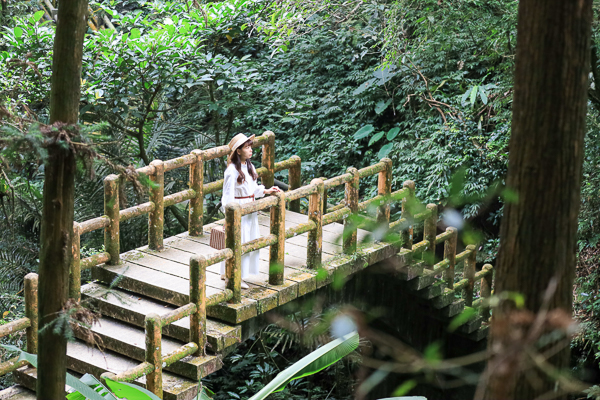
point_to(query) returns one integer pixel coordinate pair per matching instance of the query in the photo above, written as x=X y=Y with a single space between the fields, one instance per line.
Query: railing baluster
x=429 y=233
x=295 y=181
x=154 y=353
x=450 y=255
x=325 y=192
x=198 y=298
x=233 y=241
x=195 y=224
x=75 y=272
x=156 y=218
x=407 y=214
x=268 y=159
x=277 y=251
x=314 y=250
x=384 y=188
x=111 y=210
x=350 y=223
x=31 y=311
x=486 y=291
x=469 y=271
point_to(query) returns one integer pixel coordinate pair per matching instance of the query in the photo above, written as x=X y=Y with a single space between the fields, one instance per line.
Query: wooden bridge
x=168 y=319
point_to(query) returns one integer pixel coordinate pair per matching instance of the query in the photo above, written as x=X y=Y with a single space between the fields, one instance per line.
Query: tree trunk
x=539 y=230
x=57 y=214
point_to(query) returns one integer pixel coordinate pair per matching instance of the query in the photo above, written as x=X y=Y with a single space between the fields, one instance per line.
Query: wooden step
x=129 y=340
x=426 y=279
x=454 y=308
x=84 y=359
x=133 y=308
x=17 y=392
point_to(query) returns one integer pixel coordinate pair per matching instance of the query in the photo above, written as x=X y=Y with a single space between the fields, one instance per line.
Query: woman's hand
x=272 y=190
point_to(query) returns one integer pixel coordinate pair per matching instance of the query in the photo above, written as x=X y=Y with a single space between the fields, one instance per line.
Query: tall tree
x=57 y=214
x=538 y=230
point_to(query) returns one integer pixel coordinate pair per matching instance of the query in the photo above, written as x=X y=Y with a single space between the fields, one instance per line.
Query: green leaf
x=473 y=94
x=316 y=361
x=135 y=33
x=38 y=15
x=483 y=96
x=392 y=133
x=363 y=132
x=130 y=391
x=382 y=105
x=405 y=387
x=18 y=32
x=385 y=150
x=461 y=318
x=376 y=137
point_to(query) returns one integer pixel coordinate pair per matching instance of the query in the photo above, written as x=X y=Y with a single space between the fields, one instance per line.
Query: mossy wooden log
x=399 y=225
x=336 y=216
x=75 y=272
x=178 y=313
x=441 y=266
x=156 y=218
x=259 y=205
x=220 y=297
x=299 y=193
x=259 y=243
x=486 y=291
x=31 y=311
x=407 y=206
x=179 y=197
x=469 y=274
x=216 y=152
x=179 y=162
x=111 y=210
x=147 y=170
x=182 y=352
x=11 y=365
x=94 y=260
x=295 y=181
x=372 y=169
x=367 y=204
x=219 y=256
x=342 y=204
x=338 y=180
x=442 y=237
x=233 y=241
x=196 y=213
x=136 y=211
x=462 y=255
x=350 y=235
x=268 y=158
x=131 y=374
x=384 y=189
x=429 y=234
x=325 y=194
x=262 y=139
x=300 y=229
x=422 y=216
x=277 y=250
x=14 y=326
x=450 y=255
x=154 y=354
x=287 y=164
x=314 y=251
x=213 y=187
x=92 y=224
x=198 y=266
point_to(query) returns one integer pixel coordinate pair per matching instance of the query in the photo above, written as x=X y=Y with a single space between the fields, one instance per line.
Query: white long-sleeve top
x=233 y=189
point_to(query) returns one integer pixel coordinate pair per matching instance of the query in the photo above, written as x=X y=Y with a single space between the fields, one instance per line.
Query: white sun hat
x=237 y=141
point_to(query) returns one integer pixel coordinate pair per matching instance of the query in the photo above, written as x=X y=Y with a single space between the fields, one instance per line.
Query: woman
x=241 y=186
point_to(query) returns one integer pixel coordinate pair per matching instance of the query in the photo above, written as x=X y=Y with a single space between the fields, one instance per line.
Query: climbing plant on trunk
x=539 y=228
x=57 y=213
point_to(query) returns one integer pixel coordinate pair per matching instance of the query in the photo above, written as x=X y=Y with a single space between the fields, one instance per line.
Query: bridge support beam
x=195 y=224
x=198 y=298
x=111 y=210
x=314 y=251
x=156 y=218
x=277 y=250
x=350 y=235
x=233 y=241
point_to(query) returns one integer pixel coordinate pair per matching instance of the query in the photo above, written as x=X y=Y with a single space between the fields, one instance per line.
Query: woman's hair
x=235 y=160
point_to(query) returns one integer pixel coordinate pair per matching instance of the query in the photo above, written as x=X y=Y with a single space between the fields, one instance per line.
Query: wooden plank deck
x=164 y=275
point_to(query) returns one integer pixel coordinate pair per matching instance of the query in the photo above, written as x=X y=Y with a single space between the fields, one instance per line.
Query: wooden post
x=429 y=233
x=154 y=353
x=450 y=255
x=75 y=273
x=111 y=210
x=156 y=218
x=31 y=311
x=324 y=196
x=384 y=188
x=315 y=237
x=486 y=291
x=350 y=235
x=233 y=241
x=268 y=160
x=295 y=180
x=277 y=251
x=198 y=298
x=407 y=213
x=470 y=263
x=195 y=224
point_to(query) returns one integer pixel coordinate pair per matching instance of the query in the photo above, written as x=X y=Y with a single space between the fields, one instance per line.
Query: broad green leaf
x=483 y=95
x=382 y=105
x=461 y=318
x=135 y=33
x=18 y=32
x=405 y=387
x=463 y=99
x=316 y=361
x=385 y=150
x=376 y=137
x=392 y=133
x=38 y=15
x=364 y=132
x=473 y=94
x=130 y=391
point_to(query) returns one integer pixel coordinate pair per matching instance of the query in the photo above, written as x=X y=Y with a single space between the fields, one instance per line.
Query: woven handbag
x=217 y=238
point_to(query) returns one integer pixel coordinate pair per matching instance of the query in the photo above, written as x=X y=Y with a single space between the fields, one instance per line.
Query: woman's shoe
x=223 y=277
x=245 y=285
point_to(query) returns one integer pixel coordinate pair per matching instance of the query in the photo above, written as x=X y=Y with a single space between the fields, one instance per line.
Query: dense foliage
x=426 y=83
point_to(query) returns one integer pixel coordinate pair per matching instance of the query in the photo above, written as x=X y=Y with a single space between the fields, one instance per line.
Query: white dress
x=249 y=228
